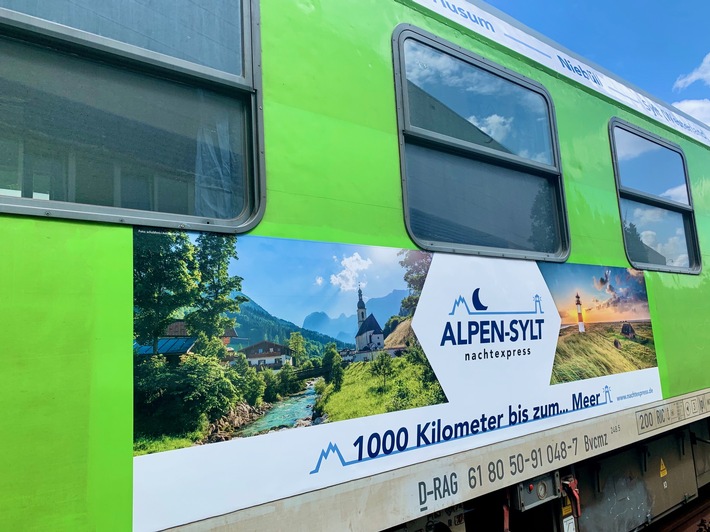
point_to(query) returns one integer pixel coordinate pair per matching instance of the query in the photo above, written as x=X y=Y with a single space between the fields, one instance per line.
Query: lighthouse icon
x=580 y=321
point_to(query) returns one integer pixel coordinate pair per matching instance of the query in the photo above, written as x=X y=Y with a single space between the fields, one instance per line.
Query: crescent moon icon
x=477 y=301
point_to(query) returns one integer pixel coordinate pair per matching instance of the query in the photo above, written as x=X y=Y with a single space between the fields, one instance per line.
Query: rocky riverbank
x=241 y=415
x=245 y=420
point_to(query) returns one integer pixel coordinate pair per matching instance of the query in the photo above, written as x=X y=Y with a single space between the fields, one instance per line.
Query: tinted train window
x=146 y=115
x=480 y=162
x=205 y=33
x=654 y=201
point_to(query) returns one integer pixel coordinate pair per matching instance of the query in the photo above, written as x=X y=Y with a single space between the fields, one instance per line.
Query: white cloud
x=649 y=238
x=698 y=109
x=319 y=281
x=675 y=250
x=494 y=125
x=541 y=157
x=638 y=274
x=679 y=194
x=425 y=65
x=702 y=73
x=630 y=146
x=682 y=261
x=648 y=216
x=382 y=256
x=347 y=278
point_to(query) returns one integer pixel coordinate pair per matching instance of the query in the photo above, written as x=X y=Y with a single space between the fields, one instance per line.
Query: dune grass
x=593 y=353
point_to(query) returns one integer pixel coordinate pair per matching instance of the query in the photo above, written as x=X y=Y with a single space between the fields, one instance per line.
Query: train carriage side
x=326 y=146
x=356 y=89
x=349 y=84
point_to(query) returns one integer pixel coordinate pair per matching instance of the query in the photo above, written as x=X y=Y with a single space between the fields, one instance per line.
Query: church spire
x=361 y=311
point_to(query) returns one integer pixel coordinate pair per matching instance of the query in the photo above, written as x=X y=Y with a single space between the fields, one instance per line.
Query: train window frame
x=478 y=156
x=656 y=201
x=245 y=90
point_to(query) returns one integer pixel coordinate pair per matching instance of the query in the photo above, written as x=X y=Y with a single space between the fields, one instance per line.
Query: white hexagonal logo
x=488 y=326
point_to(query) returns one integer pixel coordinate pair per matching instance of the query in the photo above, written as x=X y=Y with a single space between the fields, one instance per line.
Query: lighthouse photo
x=580 y=321
x=605 y=304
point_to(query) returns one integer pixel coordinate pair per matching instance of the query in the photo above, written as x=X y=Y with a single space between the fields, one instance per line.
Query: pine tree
x=416 y=265
x=297 y=345
x=163 y=282
x=215 y=287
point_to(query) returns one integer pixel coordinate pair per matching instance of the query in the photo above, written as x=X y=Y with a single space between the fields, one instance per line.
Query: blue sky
x=661 y=47
x=606 y=294
x=292 y=278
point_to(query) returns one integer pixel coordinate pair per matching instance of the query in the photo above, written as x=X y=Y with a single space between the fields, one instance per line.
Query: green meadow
x=146 y=445
x=362 y=393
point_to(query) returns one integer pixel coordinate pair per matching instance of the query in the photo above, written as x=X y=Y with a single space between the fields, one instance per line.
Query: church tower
x=369 y=336
x=361 y=312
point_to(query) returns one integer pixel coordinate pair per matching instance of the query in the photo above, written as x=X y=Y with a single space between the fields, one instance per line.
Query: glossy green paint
x=66 y=380
x=332 y=155
x=330 y=125
x=332 y=166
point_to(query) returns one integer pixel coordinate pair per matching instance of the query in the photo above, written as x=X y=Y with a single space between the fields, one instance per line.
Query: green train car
x=329 y=265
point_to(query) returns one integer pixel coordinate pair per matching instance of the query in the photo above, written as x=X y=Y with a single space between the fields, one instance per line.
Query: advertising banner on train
x=264 y=367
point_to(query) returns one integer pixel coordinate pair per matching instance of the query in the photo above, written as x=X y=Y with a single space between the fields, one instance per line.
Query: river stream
x=284 y=413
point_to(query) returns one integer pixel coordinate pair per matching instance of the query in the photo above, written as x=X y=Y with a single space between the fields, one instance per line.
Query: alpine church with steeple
x=369 y=335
